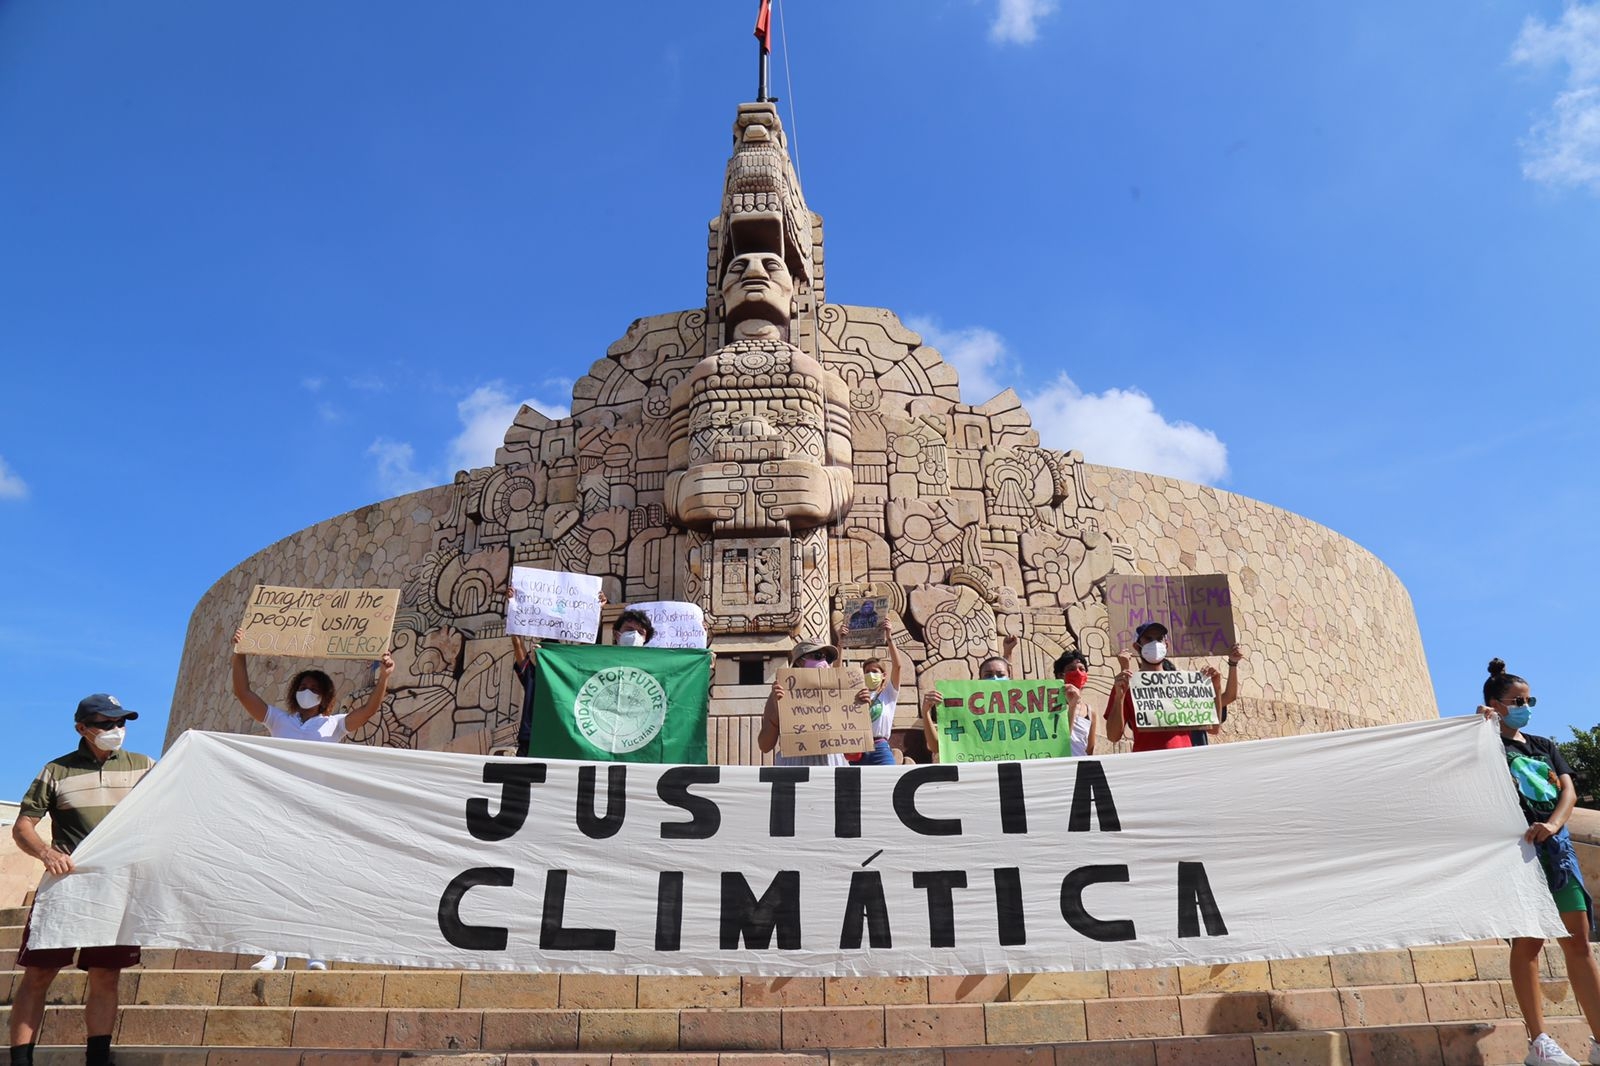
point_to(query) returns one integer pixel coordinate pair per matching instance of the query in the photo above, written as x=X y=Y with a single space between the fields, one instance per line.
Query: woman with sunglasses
x=310 y=695
x=1544 y=788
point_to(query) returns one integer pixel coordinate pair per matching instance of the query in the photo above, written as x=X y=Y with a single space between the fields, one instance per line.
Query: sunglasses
x=105 y=723
x=1522 y=701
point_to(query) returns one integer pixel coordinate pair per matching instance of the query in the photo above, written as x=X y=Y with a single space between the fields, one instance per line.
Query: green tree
x=1582 y=753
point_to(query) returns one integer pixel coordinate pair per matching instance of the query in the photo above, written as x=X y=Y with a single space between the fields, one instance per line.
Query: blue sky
x=261 y=264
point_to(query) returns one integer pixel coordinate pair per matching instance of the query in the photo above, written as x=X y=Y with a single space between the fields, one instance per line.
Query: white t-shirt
x=325 y=727
x=1080 y=734
x=883 y=705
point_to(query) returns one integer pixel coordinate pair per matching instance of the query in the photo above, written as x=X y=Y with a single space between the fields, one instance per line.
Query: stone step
x=352 y=1017
x=191 y=979
x=1448 y=1044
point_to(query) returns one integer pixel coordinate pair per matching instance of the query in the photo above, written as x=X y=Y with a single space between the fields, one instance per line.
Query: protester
x=994 y=668
x=1230 y=692
x=522 y=660
x=1150 y=647
x=809 y=655
x=77 y=791
x=885 y=694
x=311 y=694
x=1544 y=788
x=1073 y=669
x=632 y=629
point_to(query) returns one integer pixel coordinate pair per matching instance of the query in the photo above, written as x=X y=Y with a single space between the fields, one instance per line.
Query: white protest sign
x=553 y=605
x=1173 y=699
x=450 y=860
x=678 y=624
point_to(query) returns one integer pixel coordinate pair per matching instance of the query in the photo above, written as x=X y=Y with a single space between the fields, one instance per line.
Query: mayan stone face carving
x=772 y=454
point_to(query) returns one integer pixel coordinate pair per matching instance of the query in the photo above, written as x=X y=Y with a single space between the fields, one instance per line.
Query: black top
x=1536 y=766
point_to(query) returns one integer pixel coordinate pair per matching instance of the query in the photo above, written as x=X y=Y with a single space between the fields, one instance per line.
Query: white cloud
x=976 y=353
x=397 y=471
x=12 y=487
x=1017 y=21
x=1121 y=427
x=485 y=415
x=1563 y=147
x=1118 y=427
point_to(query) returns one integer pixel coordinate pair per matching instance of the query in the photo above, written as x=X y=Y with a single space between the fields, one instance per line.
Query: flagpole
x=763 y=49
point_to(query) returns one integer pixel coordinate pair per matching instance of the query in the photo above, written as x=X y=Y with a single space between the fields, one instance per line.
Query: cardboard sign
x=1173 y=699
x=819 y=715
x=678 y=624
x=553 y=605
x=1003 y=721
x=863 y=621
x=318 y=623
x=1197 y=610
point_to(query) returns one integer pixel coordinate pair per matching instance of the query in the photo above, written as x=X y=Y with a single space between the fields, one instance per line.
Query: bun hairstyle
x=1499 y=682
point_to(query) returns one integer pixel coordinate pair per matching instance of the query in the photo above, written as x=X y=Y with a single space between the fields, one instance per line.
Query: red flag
x=764 y=26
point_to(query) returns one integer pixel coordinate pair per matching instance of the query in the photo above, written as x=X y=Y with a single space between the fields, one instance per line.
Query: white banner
x=553 y=604
x=1351 y=841
x=677 y=624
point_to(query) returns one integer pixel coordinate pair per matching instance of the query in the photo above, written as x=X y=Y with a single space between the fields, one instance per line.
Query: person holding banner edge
x=1546 y=794
x=77 y=791
x=1149 y=644
x=311 y=693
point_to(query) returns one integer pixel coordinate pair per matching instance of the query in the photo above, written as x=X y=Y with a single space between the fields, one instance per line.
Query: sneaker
x=316 y=964
x=1544 y=1051
x=269 y=962
x=1594 y=1052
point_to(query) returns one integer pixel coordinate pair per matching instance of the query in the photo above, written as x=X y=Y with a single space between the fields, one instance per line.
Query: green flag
x=1001 y=721
x=610 y=704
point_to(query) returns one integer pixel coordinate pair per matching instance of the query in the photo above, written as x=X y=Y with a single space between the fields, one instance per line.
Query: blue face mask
x=1516 y=717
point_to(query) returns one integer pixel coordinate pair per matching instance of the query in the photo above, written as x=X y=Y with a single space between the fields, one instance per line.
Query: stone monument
x=769 y=456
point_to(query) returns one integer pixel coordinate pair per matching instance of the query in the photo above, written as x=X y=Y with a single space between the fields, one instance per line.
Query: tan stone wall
x=1332 y=636
x=373 y=547
x=1333 y=640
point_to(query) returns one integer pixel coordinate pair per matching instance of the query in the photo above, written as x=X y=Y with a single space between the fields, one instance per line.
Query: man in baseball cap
x=77 y=790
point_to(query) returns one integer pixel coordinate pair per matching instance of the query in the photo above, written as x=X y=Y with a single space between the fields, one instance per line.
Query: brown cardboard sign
x=819 y=715
x=318 y=623
x=1197 y=610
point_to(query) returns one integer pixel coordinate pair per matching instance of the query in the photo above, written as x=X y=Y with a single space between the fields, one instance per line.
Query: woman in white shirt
x=310 y=696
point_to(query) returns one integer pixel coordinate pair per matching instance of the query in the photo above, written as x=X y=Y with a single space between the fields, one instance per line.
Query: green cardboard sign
x=1002 y=721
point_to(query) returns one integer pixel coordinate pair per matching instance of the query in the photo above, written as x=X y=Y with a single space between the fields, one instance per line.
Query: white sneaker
x=269 y=962
x=1544 y=1051
x=1594 y=1052
x=316 y=964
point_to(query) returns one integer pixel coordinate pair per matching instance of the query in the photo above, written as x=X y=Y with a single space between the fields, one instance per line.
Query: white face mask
x=1154 y=651
x=307 y=699
x=109 y=739
x=632 y=638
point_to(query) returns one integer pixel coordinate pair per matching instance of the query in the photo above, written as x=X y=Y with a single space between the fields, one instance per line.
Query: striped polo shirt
x=77 y=791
